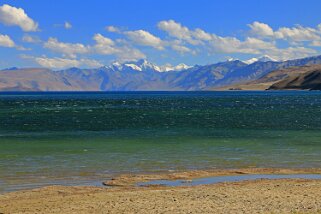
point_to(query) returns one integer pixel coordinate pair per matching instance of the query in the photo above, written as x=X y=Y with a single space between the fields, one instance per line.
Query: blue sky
x=67 y=33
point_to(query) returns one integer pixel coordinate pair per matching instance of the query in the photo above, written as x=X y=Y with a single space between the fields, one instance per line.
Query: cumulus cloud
x=261 y=29
x=107 y=46
x=297 y=41
x=297 y=34
x=60 y=63
x=293 y=35
x=213 y=42
x=129 y=54
x=316 y=43
x=202 y=35
x=263 y=40
x=104 y=45
x=31 y=39
x=12 y=16
x=181 y=49
x=6 y=41
x=67 y=25
x=145 y=38
x=233 y=45
x=290 y=53
x=177 y=30
x=113 y=29
x=67 y=49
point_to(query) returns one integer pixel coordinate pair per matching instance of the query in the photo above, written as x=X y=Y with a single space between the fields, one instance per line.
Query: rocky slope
x=310 y=80
x=272 y=78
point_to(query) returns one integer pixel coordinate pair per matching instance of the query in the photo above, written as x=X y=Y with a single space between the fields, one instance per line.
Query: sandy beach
x=259 y=196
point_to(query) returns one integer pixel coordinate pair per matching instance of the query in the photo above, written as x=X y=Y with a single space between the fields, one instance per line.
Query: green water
x=83 y=138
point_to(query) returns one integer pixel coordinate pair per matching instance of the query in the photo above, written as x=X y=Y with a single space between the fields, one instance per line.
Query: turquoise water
x=80 y=138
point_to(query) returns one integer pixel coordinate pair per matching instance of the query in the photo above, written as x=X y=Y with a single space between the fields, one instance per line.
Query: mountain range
x=142 y=75
x=271 y=79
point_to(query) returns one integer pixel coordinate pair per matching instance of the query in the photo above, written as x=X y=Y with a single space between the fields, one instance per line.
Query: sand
x=259 y=196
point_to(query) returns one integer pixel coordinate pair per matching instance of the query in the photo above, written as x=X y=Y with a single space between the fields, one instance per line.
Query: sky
x=59 y=34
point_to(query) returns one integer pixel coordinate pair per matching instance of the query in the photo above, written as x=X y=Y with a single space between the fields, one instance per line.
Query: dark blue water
x=69 y=137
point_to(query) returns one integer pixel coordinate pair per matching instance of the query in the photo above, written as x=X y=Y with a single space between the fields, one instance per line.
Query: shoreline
x=262 y=195
x=130 y=179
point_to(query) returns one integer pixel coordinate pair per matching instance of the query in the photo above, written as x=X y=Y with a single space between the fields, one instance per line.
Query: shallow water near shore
x=72 y=138
x=221 y=179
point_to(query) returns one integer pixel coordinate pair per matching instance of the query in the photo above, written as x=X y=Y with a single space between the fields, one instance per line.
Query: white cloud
x=6 y=41
x=107 y=46
x=31 y=39
x=294 y=35
x=56 y=62
x=68 y=49
x=202 y=35
x=67 y=25
x=261 y=29
x=213 y=42
x=181 y=49
x=177 y=30
x=290 y=53
x=60 y=63
x=316 y=43
x=251 y=43
x=104 y=45
x=145 y=38
x=91 y=63
x=113 y=29
x=129 y=54
x=297 y=34
x=13 y=16
x=263 y=40
x=233 y=45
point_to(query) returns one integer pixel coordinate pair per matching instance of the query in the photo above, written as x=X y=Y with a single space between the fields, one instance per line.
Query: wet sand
x=259 y=196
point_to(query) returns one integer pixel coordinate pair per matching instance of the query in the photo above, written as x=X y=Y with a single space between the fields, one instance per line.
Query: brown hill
x=307 y=81
x=273 y=78
x=37 y=79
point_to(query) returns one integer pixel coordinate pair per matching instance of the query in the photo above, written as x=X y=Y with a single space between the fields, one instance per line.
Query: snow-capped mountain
x=143 y=75
x=264 y=58
x=144 y=65
x=179 y=67
x=140 y=65
x=231 y=59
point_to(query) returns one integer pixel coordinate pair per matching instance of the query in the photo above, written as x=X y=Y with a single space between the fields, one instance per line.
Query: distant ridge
x=267 y=81
x=10 y=69
x=144 y=76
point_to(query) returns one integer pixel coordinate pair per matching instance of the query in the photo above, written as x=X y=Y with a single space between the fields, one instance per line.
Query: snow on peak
x=134 y=67
x=264 y=58
x=144 y=65
x=251 y=61
x=231 y=59
x=179 y=67
x=139 y=65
